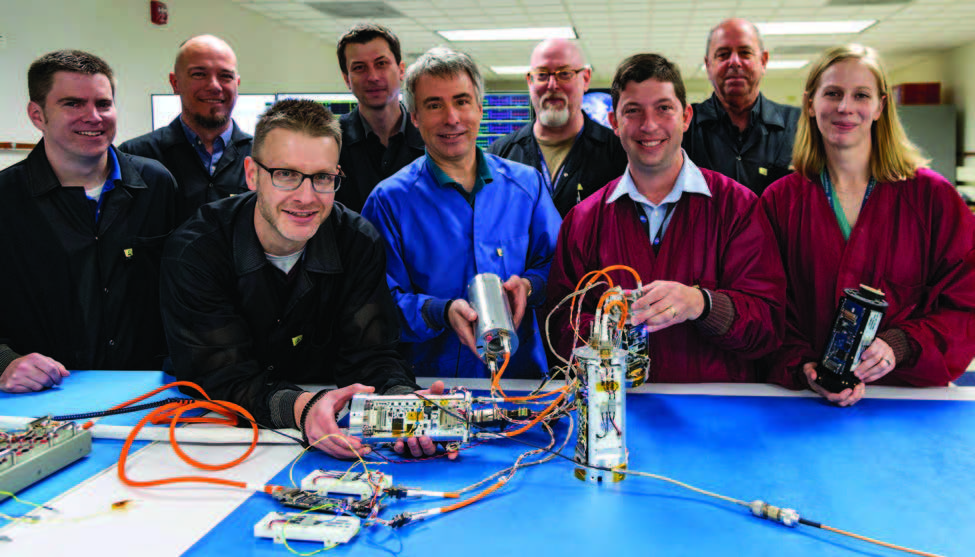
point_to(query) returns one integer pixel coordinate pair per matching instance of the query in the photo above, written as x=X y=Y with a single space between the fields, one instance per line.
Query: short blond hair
x=892 y=155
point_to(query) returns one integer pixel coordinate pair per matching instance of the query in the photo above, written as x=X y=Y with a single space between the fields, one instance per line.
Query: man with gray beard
x=203 y=147
x=576 y=155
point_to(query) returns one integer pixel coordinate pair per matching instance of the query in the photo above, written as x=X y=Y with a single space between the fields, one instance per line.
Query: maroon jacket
x=722 y=243
x=914 y=239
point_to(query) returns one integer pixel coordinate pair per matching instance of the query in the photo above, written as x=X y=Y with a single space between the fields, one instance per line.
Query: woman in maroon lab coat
x=862 y=209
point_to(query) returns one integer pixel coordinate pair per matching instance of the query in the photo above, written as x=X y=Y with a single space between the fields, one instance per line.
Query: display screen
x=503 y=112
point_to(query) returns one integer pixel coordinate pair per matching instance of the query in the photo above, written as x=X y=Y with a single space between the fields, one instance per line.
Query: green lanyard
x=834 y=202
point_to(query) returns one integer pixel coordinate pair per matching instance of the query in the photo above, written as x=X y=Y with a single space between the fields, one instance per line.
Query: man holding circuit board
x=281 y=286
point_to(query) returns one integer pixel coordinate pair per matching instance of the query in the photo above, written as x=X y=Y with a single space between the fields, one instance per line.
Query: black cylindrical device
x=857 y=319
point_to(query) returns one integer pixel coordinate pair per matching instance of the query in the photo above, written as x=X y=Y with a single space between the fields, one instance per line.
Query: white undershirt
x=285 y=262
x=94 y=193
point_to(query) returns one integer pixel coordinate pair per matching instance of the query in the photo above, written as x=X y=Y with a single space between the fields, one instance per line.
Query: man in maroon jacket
x=713 y=287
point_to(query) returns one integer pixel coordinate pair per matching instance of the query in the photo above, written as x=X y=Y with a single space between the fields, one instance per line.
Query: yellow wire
x=291 y=469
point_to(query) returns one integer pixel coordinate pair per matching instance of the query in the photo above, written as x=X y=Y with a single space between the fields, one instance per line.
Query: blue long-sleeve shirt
x=437 y=240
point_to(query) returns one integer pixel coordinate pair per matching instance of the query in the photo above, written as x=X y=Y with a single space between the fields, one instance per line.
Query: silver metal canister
x=494 y=331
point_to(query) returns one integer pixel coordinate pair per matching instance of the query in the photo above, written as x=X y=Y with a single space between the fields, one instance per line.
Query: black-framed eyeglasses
x=290 y=180
x=541 y=77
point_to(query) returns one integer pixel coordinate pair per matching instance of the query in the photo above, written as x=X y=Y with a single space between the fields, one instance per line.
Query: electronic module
x=43 y=448
x=313 y=502
x=330 y=530
x=359 y=485
x=378 y=418
x=857 y=319
x=601 y=412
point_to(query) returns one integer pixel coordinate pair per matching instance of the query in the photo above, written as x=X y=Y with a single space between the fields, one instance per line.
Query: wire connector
x=761 y=509
x=397 y=491
x=400 y=520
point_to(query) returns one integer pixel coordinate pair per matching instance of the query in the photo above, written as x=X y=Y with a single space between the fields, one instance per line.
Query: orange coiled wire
x=173 y=414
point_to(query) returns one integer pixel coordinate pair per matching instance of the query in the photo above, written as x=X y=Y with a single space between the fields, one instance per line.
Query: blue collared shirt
x=114 y=174
x=483 y=177
x=657 y=216
x=220 y=143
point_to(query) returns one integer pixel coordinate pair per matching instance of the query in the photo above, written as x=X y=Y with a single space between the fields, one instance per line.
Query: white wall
x=271 y=57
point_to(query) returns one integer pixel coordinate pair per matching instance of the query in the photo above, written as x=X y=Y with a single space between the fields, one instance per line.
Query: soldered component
x=313 y=502
x=379 y=419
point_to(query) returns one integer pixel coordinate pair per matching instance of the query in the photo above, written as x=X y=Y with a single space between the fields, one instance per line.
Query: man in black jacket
x=378 y=137
x=203 y=147
x=82 y=227
x=575 y=154
x=283 y=286
x=737 y=131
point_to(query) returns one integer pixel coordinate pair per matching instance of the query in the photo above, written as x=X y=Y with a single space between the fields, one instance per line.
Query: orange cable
x=173 y=413
x=474 y=499
x=878 y=542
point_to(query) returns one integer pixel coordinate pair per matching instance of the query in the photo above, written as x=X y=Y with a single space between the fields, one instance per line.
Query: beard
x=211 y=122
x=553 y=117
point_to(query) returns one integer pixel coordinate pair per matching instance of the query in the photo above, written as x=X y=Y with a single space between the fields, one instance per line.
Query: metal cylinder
x=494 y=330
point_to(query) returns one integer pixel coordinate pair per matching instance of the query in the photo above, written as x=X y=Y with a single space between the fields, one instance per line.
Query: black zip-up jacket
x=246 y=332
x=365 y=162
x=85 y=294
x=596 y=158
x=755 y=158
x=170 y=146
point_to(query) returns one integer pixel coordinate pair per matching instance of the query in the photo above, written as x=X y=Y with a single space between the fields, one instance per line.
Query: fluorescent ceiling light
x=786 y=64
x=814 y=27
x=511 y=70
x=524 y=34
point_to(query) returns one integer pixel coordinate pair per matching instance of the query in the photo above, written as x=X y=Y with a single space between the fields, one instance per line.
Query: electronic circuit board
x=44 y=447
x=346 y=484
x=377 y=419
x=330 y=530
x=313 y=502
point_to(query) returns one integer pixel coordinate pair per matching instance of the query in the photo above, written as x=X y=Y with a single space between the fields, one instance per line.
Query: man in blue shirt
x=202 y=147
x=457 y=212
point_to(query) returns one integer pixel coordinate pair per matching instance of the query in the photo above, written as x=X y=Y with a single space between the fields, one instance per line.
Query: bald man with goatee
x=576 y=155
x=203 y=147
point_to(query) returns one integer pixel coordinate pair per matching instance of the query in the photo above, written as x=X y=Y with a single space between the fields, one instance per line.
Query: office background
x=289 y=45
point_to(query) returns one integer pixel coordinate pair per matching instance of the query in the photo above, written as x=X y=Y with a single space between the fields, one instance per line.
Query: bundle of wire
x=557 y=403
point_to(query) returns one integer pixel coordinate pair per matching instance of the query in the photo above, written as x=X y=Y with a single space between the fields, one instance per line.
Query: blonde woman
x=862 y=208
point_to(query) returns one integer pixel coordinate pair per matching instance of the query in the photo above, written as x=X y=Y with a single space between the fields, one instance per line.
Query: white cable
x=205 y=435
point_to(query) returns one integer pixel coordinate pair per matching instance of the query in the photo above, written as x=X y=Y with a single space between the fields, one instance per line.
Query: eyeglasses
x=290 y=180
x=541 y=77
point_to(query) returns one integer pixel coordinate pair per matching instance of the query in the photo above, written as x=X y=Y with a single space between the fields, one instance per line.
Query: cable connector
x=761 y=509
x=400 y=520
x=397 y=491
